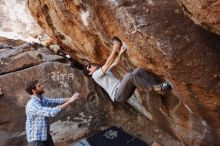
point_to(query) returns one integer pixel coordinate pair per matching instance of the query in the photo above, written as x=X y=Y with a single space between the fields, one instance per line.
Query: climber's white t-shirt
x=107 y=81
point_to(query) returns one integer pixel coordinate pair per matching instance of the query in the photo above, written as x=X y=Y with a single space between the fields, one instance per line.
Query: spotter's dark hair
x=30 y=86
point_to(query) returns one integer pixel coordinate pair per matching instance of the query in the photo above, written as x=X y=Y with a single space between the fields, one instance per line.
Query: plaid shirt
x=37 y=111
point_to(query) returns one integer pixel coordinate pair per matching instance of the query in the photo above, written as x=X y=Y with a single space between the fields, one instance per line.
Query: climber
x=38 y=109
x=122 y=90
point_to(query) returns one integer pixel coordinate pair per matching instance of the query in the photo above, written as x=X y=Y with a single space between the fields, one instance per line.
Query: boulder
x=93 y=112
x=160 y=39
x=205 y=13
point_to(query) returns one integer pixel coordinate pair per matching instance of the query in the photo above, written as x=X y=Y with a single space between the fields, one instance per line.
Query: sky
x=16 y=21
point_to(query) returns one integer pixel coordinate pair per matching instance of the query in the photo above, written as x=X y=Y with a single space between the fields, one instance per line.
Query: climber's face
x=38 y=89
x=91 y=68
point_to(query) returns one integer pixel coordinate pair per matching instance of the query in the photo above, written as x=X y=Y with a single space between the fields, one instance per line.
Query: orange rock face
x=204 y=13
x=161 y=39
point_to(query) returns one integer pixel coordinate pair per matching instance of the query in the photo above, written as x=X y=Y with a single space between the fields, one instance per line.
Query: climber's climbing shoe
x=162 y=88
x=165 y=86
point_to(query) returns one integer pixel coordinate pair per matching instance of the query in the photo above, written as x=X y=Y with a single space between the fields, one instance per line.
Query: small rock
x=156 y=130
x=160 y=136
x=55 y=48
x=177 y=11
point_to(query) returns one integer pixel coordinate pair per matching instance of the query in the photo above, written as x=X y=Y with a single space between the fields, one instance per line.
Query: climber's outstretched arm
x=111 y=57
x=118 y=58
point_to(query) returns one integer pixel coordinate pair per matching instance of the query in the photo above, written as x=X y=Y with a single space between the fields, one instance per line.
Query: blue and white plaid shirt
x=38 y=111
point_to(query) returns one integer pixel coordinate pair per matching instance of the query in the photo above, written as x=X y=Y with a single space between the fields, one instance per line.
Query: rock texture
x=22 y=62
x=161 y=39
x=204 y=13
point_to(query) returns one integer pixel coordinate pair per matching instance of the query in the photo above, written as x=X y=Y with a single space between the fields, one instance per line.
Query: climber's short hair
x=30 y=86
x=86 y=71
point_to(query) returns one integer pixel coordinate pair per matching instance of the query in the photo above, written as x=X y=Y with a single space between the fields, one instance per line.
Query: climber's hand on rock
x=116 y=45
